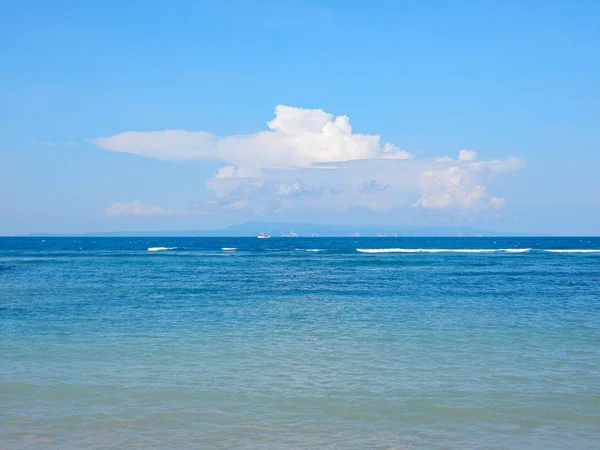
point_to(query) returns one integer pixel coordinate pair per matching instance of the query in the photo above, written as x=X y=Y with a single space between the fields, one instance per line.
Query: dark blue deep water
x=298 y=343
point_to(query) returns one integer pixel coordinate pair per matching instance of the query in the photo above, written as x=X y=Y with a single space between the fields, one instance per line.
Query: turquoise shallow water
x=108 y=345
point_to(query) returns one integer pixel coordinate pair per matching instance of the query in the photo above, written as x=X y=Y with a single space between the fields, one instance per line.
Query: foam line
x=574 y=251
x=426 y=250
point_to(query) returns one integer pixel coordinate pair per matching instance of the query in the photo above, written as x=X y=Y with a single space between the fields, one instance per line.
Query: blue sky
x=89 y=90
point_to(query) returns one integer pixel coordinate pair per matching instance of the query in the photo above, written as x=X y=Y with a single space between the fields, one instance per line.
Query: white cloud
x=467 y=155
x=390 y=151
x=169 y=145
x=497 y=202
x=458 y=184
x=506 y=165
x=240 y=204
x=283 y=169
x=378 y=185
x=234 y=172
x=296 y=137
x=138 y=209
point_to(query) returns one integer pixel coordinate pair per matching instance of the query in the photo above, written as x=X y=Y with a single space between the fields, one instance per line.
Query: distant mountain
x=307 y=230
x=284 y=229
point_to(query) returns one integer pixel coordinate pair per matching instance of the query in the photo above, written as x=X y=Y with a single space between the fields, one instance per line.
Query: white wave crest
x=426 y=250
x=229 y=249
x=516 y=250
x=161 y=249
x=574 y=251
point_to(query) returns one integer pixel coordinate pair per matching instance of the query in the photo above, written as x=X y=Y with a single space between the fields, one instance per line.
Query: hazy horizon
x=294 y=229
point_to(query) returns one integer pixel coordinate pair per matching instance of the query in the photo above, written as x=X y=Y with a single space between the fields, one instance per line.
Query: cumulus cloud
x=467 y=155
x=309 y=159
x=377 y=185
x=296 y=137
x=139 y=209
x=458 y=183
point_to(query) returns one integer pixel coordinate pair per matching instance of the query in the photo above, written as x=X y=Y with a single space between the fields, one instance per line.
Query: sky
x=181 y=115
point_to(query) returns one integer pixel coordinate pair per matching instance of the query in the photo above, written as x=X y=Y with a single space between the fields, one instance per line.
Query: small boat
x=264 y=236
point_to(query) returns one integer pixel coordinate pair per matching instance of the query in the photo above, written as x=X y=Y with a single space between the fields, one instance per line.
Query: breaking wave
x=405 y=250
x=574 y=251
x=441 y=250
x=471 y=250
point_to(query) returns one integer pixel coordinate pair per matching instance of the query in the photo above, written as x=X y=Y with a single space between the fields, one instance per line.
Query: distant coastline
x=284 y=229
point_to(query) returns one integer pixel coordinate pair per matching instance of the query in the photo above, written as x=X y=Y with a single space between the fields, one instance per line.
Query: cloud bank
x=310 y=160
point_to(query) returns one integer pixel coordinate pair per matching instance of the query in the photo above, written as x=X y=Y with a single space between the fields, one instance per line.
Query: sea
x=299 y=343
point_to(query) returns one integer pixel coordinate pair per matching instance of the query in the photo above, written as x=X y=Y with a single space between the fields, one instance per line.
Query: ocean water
x=297 y=343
